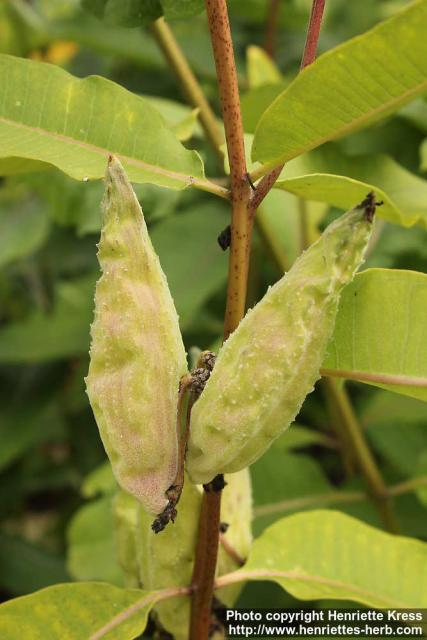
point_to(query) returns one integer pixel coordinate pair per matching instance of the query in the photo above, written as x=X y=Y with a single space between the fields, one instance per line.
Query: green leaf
x=189 y=253
x=422 y=471
x=416 y=113
x=131 y=13
x=25 y=567
x=299 y=437
x=347 y=88
x=280 y=476
x=61 y=333
x=27 y=425
x=326 y=554
x=404 y=194
x=279 y=219
x=399 y=443
x=260 y=68
x=100 y=481
x=182 y=120
x=180 y=9
x=255 y=101
x=77 y=611
x=423 y=154
x=24 y=227
x=91 y=545
x=50 y=116
x=379 y=338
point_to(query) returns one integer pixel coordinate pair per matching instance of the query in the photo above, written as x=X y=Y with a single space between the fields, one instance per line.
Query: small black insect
x=224 y=238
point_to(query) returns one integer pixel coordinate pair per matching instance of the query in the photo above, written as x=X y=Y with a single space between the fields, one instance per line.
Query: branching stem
x=241 y=232
x=271 y=174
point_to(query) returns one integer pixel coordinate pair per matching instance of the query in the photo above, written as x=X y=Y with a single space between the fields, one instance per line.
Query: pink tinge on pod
x=137 y=356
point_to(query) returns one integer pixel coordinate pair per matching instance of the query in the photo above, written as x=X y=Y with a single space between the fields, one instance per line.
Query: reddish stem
x=313 y=32
x=241 y=232
x=271 y=27
x=309 y=55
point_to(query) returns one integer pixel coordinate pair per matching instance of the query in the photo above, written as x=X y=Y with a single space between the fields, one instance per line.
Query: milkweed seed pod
x=167 y=559
x=125 y=519
x=137 y=356
x=270 y=363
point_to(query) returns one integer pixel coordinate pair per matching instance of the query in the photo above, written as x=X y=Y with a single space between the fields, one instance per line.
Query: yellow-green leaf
x=348 y=88
x=314 y=177
x=48 y=115
x=326 y=554
x=88 y=611
x=380 y=334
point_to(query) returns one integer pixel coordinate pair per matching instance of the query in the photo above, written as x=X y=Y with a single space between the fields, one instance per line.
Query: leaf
x=385 y=407
x=326 y=554
x=134 y=13
x=299 y=437
x=423 y=154
x=50 y=116
x=89 y=607
x=379 y=338
x=280 y=476
x=396 y=427
x=399 y=443
x=255 y=101
x=180 y=9
x=61 y=333
x=422 y=471
x=131 y=13
x=100 y=481
x=261 y=69
x=416 y=113
x=24 y=227
x=349 y=87
x=190 y=255
x=180 y=119
x=91 y=546
x=279 y=219
x=404 y=194
x=25 y=567
x=25 y=426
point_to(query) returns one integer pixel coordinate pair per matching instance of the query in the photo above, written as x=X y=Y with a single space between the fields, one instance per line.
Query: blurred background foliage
x=55 y=488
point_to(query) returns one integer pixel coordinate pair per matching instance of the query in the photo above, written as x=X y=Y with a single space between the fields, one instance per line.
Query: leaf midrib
x=354 y=124
x=186 y=178
x=253 y=574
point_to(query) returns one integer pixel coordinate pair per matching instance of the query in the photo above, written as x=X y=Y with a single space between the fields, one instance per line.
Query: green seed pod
x=137 y=354
x=167 y=559
x=270 y=363
x=125 y=518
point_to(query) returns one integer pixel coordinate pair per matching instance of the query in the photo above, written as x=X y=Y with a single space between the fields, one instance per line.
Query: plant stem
x=269 y=175
x=362 y=454
x=189 y=84
x=296 y=504
x=241 y=225
x=241 y=232
x=337 y=497
x=407 y=486
x=270 y=39
x=313 y=32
